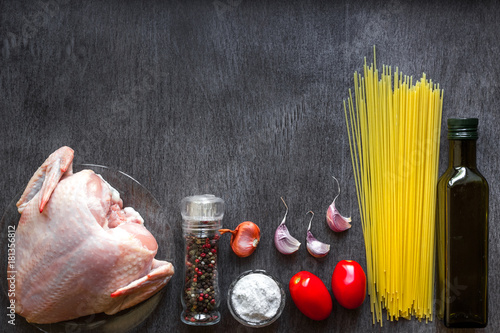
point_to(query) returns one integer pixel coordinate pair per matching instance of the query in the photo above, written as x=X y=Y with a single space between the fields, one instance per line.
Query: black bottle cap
x=462 y=128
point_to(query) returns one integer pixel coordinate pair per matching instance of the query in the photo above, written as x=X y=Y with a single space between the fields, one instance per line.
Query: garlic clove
x=316 y=248
x=284 y=242
x=335 y=221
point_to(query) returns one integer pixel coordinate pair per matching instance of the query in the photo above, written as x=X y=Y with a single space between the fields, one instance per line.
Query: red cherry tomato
x=349 y=284
x=310 y=295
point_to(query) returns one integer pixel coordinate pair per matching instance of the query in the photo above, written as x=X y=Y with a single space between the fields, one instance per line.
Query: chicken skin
x=78 y=250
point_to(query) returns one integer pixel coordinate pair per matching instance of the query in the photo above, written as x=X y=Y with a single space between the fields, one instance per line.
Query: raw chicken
x=78 y=252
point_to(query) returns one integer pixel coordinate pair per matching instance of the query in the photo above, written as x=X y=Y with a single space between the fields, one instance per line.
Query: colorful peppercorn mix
x=201 y=294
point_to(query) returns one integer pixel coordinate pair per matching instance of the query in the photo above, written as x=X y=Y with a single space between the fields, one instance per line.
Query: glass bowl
x=255 y=323
x=134 y=195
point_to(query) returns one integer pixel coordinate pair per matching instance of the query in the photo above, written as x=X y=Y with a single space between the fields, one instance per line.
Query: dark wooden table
x=242 y=99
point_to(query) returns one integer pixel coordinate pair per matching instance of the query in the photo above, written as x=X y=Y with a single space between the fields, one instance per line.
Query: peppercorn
x=200 y=277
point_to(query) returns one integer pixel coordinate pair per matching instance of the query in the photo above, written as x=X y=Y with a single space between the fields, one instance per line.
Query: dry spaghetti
x=394 y=130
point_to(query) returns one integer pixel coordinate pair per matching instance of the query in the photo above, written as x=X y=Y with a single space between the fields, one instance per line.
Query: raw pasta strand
x=394 y=127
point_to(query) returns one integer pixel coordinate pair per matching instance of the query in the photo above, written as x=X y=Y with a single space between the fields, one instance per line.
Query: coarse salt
x=256 y=297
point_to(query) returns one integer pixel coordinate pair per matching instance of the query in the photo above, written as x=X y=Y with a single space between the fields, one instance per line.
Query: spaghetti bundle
x=394 y=130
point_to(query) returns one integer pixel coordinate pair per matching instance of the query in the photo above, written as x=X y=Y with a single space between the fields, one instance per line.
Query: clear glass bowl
x=262 y=323
x=134 y=195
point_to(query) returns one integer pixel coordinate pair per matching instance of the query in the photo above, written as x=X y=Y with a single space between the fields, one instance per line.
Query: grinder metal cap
x=462 y=128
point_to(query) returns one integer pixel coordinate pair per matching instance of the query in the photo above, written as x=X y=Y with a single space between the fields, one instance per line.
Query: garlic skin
x=284 y=242
x=316 y=248
x=335 y=221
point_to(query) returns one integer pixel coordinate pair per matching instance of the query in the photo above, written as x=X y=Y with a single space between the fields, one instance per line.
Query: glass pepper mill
x=202 y=219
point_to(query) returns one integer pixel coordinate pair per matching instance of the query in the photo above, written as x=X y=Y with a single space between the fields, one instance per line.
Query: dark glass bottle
x=462 y=232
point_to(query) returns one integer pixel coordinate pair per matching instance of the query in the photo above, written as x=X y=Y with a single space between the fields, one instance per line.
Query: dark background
x=242 y=99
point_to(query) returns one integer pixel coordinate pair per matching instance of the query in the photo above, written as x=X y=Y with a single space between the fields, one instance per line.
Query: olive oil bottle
x=462 y=232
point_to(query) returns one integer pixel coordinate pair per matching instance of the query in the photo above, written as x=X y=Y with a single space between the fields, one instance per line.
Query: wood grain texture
x=242 y=99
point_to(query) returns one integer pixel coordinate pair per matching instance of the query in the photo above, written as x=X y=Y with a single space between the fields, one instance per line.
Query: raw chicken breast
x=78 y=251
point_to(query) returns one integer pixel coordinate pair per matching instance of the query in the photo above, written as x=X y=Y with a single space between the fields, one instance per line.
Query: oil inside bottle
x=462 y=233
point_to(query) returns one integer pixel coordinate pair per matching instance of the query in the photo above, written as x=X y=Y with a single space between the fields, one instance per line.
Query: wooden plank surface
x=242 y=99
